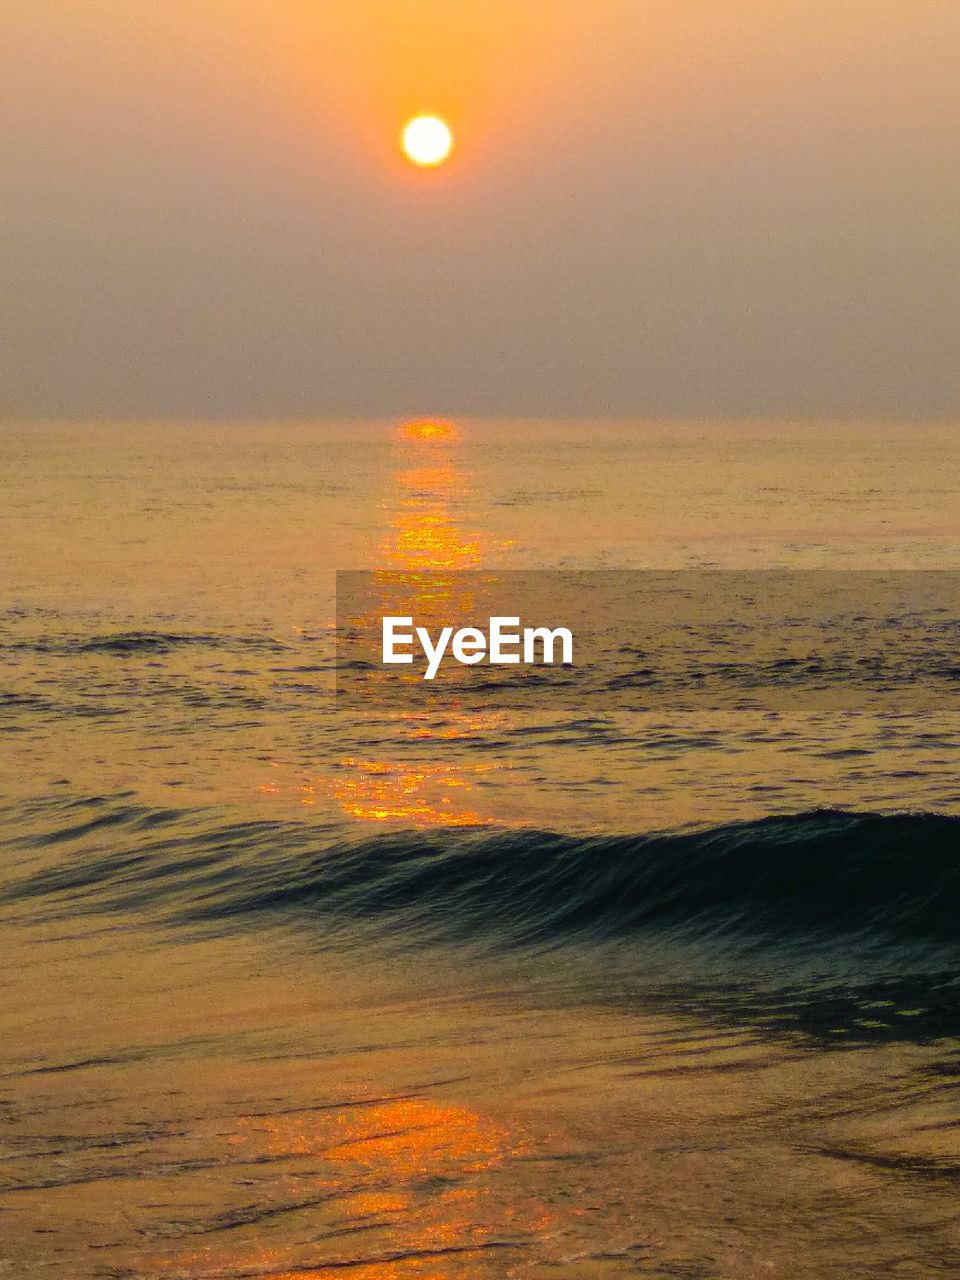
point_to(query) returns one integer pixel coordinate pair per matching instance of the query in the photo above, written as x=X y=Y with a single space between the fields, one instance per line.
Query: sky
x=672 y=208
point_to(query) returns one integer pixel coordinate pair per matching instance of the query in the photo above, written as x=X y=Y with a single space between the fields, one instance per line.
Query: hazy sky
x=670 y=207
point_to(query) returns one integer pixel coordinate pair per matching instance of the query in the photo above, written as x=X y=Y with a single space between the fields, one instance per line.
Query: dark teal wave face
x=841 y=927
x=879 y=880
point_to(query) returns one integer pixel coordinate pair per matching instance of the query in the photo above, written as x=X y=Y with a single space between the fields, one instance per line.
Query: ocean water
x=590 y=987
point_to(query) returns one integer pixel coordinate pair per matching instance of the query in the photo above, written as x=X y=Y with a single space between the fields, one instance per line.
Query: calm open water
x=465 y=992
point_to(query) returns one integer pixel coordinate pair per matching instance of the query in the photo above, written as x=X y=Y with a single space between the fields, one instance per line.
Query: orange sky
x=744 y=206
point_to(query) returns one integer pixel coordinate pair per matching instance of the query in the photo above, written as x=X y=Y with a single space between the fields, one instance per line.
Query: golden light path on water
x=377 y=1158
x=371 y=1160
x=424 y=535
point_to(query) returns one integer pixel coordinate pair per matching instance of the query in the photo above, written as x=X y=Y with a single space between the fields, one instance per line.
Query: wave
x=149 y=644
x=821 y=877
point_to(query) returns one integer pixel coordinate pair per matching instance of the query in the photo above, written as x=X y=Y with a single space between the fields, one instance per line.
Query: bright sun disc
x=427 y=140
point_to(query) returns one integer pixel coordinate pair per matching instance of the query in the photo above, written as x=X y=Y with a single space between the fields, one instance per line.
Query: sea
x=420 y=988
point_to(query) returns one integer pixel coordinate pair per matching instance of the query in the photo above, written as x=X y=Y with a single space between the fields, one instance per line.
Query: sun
x=427 y=140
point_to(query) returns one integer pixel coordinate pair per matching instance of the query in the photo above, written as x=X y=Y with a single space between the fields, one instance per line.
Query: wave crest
x=818 y=876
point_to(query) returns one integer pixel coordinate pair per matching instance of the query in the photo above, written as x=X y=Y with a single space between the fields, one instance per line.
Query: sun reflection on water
x=426 y=539
x=423 y=530
x=378 y=791
x=405 y=1175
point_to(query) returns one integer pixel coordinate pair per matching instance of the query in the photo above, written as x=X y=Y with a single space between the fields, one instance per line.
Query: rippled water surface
x=447 y=993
